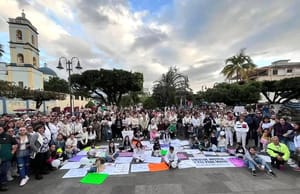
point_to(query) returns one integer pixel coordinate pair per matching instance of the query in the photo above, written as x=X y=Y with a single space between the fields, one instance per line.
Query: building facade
x=277 y=70
x=24 y=68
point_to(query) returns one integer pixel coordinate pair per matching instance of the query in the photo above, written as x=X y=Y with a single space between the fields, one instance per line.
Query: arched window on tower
x=20 y=58
x=32 y=39
x=34 y=61
x=19 y=35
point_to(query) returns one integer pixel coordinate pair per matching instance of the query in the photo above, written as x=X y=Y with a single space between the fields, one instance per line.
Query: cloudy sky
x=149 y=36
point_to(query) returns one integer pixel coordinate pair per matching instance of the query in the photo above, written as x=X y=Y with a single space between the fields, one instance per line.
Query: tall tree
x=232 y=94
x=1 y=50
x=238 y=66
x=172 y=85
x=108 y=85
x=281 y=91
x=56 y=84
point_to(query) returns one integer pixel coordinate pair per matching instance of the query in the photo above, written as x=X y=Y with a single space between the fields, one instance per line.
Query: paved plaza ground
x=183 y=181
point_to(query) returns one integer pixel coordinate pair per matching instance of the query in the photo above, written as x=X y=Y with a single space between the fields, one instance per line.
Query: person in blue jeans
x=253 y=161
x=23 y=155
x=112 y=153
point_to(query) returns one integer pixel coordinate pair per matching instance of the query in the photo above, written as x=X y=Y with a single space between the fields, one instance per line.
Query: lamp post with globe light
x=69 y=69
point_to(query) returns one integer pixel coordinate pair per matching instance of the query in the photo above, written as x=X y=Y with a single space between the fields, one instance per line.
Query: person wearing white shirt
x=64 y=128
x=196 y=124
x=71 y=146
x=241 y=128
x=83 y=138
x=187 y=123
x=228 y=124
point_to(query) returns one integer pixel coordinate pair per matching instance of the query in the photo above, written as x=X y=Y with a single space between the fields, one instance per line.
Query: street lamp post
x=69 y=68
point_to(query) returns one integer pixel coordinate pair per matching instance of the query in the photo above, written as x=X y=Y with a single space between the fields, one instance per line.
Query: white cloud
x=196 y=36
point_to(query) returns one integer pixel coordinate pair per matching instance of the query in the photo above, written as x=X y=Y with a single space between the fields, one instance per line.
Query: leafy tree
x=281 y=91
x=239 y=65
x=232 y=94
x=1 y=50
x=172 y=85
x=150 y=103
x=56 y=84
x=108 y=85
x=90 y=104
x=9 y=90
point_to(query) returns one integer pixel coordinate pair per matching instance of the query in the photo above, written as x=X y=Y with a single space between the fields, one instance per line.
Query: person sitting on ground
x=205 y=144
x=71 y=146
x=253 y=161
x=278 y=152
x=240 y=151
x=195 y=143
x=98 y=166
x=111 y=153
x=213 y=142
x=138 y=136
x=172 y=159
x=222 y=142
x=126 y=145
x=156 y=147
x=52 y=155
x=138 y=152
x=61 y=155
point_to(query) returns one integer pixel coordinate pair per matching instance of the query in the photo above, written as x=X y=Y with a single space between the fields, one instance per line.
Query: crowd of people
x=30 y=143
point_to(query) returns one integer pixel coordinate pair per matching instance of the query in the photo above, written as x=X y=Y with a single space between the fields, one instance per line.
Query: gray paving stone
x=160 y=188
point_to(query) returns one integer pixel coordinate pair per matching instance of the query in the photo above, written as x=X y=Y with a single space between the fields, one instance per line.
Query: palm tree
x=239 y=65
x=1 y=50
x=171 y=86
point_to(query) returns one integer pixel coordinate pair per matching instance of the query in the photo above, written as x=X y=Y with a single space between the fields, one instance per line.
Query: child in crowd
x=61 y=155
x=265 y=139
x=92 y=152
x=195 y=143
x=156 y=147
x=222 y=142
x=52 y=156
x=213 y=141
x=171 y=157
x=240 y=151
x=98 y=166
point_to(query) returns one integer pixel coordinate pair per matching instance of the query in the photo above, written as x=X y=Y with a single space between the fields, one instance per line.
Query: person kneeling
x=253 y=161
